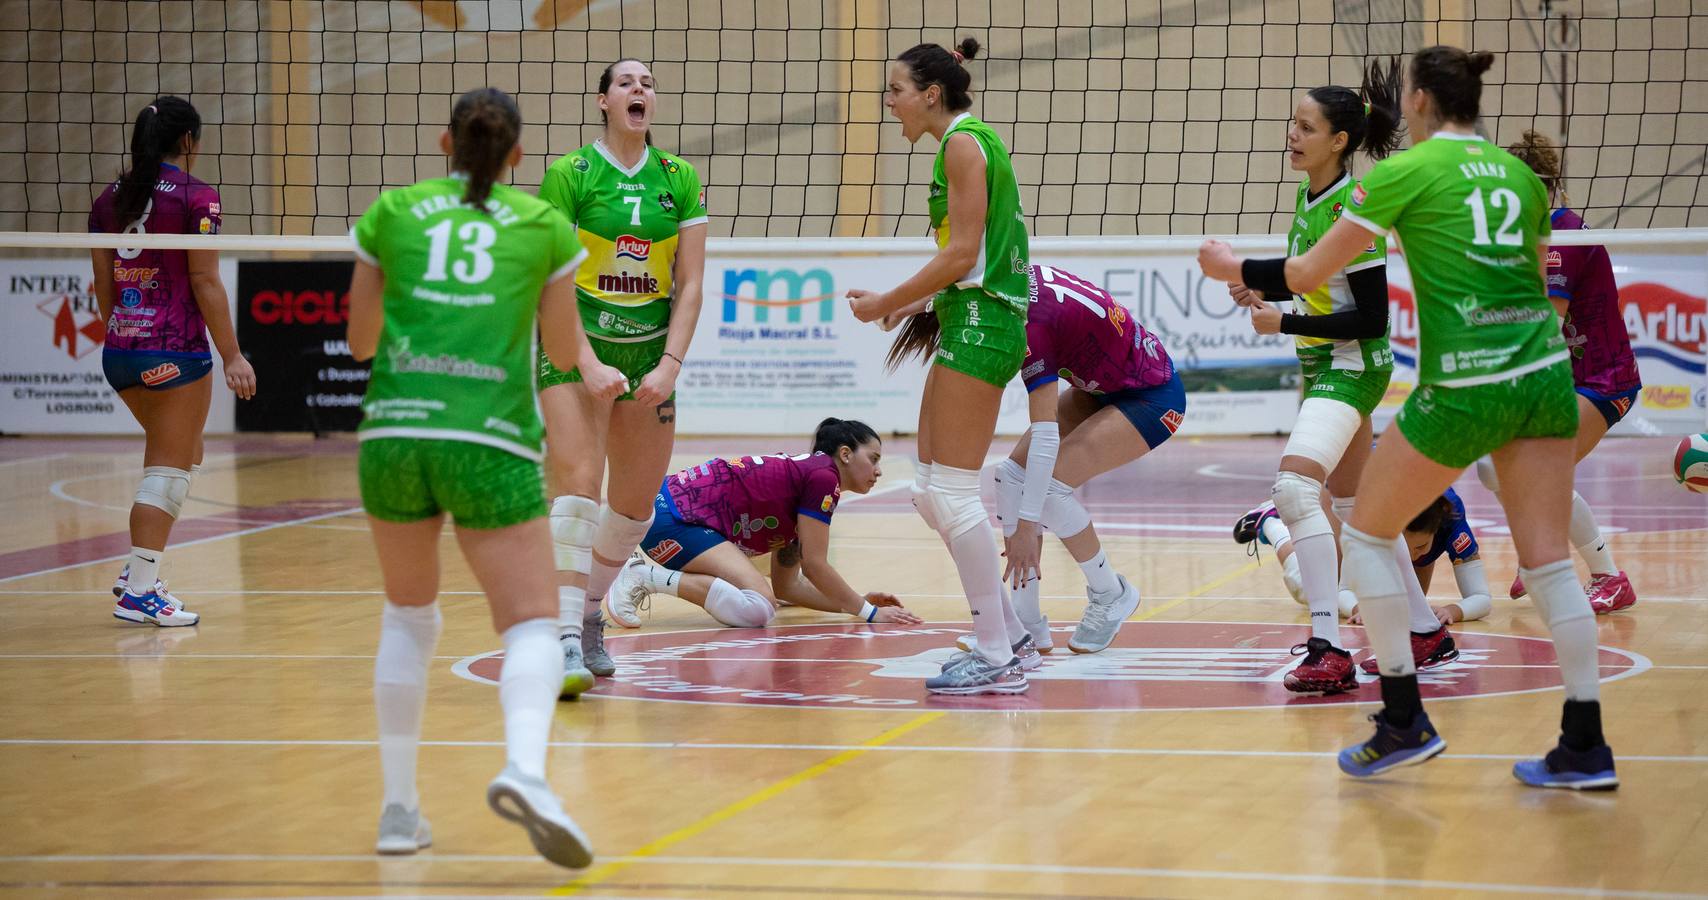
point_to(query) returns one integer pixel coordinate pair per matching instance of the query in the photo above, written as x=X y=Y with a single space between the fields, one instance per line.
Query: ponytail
x=485 y=125
x=1370 y=116
x=919 y=336
x=833 y=434
x=159 y=130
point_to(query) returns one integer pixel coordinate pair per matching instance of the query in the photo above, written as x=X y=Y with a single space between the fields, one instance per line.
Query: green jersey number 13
x=477 y=238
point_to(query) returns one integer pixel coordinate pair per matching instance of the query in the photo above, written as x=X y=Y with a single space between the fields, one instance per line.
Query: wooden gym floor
x=237 y=758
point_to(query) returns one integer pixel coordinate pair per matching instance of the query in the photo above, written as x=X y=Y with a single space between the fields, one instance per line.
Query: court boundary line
x=815 y=748
x=896 y=865
x=192 y=543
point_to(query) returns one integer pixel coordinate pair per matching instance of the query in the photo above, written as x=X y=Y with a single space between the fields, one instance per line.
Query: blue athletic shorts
x=1155 y=411
x=155 y=370
x=1612 y=407
x=671 y=542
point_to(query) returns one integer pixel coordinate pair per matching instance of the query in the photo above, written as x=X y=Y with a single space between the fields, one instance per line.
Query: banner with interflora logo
x=50 y=353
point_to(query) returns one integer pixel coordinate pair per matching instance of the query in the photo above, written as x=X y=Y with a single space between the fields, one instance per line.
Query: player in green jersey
x=449 y=276
x=1341 y=330
x=642 y=215
x=979 y=284
x=1493 y=377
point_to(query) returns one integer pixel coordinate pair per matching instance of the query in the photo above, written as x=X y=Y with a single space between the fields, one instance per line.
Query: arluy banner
x=50 y=353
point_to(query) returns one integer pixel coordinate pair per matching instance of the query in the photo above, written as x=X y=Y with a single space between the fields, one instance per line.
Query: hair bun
x=1480 y=61
x=968 y=48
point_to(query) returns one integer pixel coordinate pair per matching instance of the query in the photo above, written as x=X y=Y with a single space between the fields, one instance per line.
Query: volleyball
x=1690 y=463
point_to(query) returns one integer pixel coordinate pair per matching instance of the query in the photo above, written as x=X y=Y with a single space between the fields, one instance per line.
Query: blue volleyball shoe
x=1390 y=747
x=1587 y=770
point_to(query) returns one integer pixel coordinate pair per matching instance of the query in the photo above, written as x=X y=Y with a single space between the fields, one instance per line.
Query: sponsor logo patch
x=1461 y=542
x=634 y=248
x=1554 y=261
x=579 y=164
x=207 y=226
x=1172 y=419
x=665 y=550
x=1358 y=195
x=1666 y=396
x=828 y=502
x=130 y=298
x=160 y=374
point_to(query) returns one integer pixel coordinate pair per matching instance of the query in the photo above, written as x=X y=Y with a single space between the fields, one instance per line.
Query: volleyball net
x=1149 y=117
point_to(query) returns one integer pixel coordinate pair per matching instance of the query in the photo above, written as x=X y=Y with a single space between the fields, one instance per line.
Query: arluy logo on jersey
x=1150 y=666
x=631 y=247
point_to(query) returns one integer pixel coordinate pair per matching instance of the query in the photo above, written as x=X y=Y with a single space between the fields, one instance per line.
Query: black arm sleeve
x=1369 y=318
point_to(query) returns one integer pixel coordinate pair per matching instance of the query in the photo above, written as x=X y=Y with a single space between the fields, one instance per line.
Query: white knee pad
x=574 y=520
x=1367 y=563
x=738 y=608
x=1063 y=513
x=1486 y=475
x=1324 y=430
x=164 y=487
x=921 y=504
x=1299 y=500
x=1556 y=593
x=954 y=499
x=619 y=535
x=1010 y=481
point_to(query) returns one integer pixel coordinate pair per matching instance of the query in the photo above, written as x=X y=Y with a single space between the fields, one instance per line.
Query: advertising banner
x=50 y=353
x=777 y=349
x=291 y=316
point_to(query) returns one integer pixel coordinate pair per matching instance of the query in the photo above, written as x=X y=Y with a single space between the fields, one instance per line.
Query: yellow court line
x=740 y=806
x=1198 y=591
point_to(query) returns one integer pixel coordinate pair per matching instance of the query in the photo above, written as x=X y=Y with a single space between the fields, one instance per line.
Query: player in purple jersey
x=1122 y=399
x=1580 y=284
x=159 y=306
x=711 y=519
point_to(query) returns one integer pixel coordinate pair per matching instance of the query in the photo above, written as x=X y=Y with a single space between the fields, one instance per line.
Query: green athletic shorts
x=981 y=336
x=410 y=479
x=1456 y=426
x=1362 y=391
x=633 y=360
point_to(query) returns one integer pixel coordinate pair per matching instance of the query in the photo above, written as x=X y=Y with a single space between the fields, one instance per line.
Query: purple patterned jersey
x=1076 y=331
x=155 y=309
x=1595 y=323
x=753 y=501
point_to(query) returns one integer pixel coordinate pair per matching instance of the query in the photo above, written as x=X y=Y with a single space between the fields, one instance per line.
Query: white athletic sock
x=1275 y=532
x=1371 y=574
x=1423 y=620
x=1098 y=574
x=660 y=579
x=1025 y=601
x=1011 y=618
x=1317 y=571
x=974 y=552
x=1290 y=577
x=599 y=579
x=1586 y=536
x=408 y=635
x=144 y=569
x=571 y=609
x=528 y=687
x=1555 y=591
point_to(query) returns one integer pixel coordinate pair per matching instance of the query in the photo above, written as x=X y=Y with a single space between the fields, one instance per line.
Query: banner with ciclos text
x=1666 y=315
x=50 y=353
